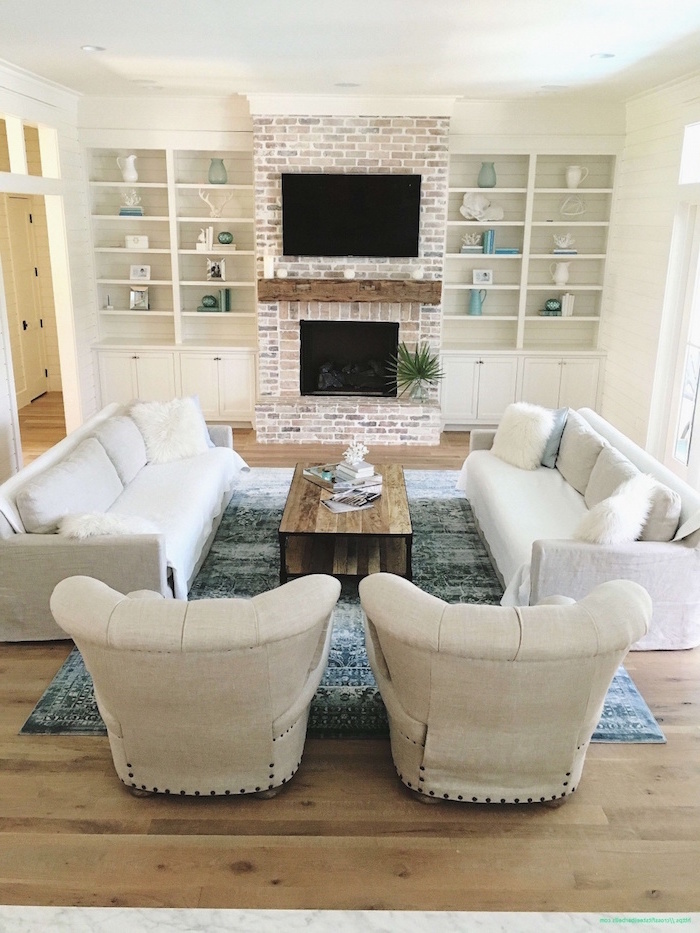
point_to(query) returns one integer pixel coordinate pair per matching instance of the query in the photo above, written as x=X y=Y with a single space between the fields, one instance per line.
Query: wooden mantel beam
x=393 y=290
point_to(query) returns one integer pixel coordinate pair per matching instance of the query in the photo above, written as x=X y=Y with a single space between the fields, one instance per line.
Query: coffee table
x=350 y=544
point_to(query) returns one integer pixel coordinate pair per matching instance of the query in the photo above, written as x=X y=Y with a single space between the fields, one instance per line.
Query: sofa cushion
x=90 y=524
x=619 y=518
x=84 y=481
x=172 y=430
x=551 y=449
x=124 y=445
x=578 y=451
x=522 y=435
x=611 y=470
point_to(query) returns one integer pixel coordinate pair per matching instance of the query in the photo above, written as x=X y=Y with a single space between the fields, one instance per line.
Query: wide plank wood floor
x=345 y=833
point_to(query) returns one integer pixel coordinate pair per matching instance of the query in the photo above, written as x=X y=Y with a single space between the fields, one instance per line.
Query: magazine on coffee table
x=355 y=499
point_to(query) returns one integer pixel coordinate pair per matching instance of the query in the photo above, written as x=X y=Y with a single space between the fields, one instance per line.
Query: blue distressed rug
x=449 y=560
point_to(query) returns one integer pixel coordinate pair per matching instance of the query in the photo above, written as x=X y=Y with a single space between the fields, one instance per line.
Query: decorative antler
x=214 y=211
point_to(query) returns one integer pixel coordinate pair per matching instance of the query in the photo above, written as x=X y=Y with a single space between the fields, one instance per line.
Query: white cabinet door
x=155 y=376
x=579 y=382
x=541 y=381
x=117 y=376
x=199 y=375
x=498 y=386
x=459 y=389
x=237 y=387
x=125 y=375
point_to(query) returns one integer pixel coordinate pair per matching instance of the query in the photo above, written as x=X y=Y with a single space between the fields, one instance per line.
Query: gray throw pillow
x=549 y=457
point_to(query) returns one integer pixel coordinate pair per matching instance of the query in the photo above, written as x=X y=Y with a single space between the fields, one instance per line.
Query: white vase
x=575 y=174
x=127 y=167
x=560 y=272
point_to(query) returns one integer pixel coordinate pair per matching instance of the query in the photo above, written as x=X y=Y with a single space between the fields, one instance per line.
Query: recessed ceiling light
x=92 y=48
x=603 y=55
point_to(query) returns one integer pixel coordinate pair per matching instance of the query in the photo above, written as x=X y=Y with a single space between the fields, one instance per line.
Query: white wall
x=647 y=197
x=38 y=103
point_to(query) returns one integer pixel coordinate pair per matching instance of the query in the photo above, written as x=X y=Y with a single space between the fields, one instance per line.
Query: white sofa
x=527 y=519
x=160 y=517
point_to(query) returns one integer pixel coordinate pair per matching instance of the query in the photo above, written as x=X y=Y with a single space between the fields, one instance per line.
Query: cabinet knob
x=217 y=357
x=134 y=357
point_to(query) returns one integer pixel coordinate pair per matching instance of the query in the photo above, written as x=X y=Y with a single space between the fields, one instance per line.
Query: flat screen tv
x=350 y=214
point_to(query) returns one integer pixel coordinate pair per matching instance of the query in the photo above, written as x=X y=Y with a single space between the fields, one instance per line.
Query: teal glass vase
x=217 y=172
x=487 y=175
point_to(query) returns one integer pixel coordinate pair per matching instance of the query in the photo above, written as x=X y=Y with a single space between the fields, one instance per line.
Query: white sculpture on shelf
x=214 y=209
x=356 y=452
x=563 y=240
x=478 y=207
x=205 y=240
x=572 y=206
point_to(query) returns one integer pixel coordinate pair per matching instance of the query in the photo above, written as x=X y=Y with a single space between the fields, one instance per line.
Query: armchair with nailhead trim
x=206 y=697
x=496 y=704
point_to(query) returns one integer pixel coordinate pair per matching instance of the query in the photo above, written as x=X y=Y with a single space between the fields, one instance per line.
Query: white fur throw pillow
x=619 y=518
x=102 y=523
x=522 y=435
x=171 y=430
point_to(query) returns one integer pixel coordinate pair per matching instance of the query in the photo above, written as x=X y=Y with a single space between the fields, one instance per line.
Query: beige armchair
x=492 y=704
x=204 y=697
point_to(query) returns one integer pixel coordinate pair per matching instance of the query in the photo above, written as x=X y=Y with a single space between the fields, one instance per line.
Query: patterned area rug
x=449 y=561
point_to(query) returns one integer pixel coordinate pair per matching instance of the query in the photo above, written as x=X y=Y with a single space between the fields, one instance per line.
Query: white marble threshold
x=137 y=920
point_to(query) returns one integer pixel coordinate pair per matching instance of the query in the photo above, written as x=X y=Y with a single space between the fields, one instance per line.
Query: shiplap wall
x=645 y=206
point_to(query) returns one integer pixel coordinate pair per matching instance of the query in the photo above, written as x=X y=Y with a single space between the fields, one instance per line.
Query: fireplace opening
x=347 y=357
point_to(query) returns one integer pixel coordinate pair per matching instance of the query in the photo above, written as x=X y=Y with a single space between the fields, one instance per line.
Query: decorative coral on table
x=356 y=452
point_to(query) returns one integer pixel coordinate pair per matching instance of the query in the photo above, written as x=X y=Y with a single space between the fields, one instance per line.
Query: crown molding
x=344 y=105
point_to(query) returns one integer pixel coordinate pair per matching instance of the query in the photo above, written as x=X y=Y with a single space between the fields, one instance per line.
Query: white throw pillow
x=521 y=436
x=103 y=523
x=172 y=430
x=621 y=517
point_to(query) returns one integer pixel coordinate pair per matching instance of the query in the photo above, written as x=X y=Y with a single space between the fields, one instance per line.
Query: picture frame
x=138 y=299
x=139 y=273
x=482 y=277
x=216 y=269
x=132 y=241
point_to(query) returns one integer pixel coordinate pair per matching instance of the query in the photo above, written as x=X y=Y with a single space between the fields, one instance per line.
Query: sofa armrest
x=481 y=439
x=573 y=568
x=31 y=565
x=221 y=434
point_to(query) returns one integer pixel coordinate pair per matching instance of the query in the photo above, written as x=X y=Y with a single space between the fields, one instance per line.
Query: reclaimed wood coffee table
x=354 y=544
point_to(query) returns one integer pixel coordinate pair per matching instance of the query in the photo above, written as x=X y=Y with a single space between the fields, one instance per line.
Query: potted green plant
x=415 y=370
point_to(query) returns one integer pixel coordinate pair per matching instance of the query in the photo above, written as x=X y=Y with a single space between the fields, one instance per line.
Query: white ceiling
x=478 y=49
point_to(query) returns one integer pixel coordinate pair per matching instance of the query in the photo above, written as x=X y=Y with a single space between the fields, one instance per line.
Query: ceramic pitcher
x=127 y=166
x=476 y=300
x=575 y=174
x=560 y=272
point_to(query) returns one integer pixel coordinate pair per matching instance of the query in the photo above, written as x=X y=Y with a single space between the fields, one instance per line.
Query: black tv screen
x=350 y=215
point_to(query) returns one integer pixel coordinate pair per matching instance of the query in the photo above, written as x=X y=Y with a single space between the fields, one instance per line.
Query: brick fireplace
x=284 y=143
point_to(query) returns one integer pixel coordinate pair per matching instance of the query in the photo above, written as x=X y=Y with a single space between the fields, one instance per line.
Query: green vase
x=217 y=172
x=487 y=175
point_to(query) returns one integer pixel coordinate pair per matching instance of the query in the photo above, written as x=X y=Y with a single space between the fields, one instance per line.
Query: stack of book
x=489 y=239
x=136 y=211
x=352 y=472
x=567 y=304
x=327 y=476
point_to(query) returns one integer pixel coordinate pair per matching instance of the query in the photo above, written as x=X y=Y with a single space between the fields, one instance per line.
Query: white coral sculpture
x=356 y=452
x=471 y=239
x=563 y=240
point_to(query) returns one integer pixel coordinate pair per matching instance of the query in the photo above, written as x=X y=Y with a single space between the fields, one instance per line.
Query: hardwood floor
x=345 y=833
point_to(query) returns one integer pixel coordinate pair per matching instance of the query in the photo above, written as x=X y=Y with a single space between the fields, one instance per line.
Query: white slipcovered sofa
x=528 y=519
x=493 y=704
x=137 y=511
x=205 y=697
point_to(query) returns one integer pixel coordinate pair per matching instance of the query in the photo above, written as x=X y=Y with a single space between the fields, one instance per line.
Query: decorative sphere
x=225 y=237
x=553 y=304
x=210 y=301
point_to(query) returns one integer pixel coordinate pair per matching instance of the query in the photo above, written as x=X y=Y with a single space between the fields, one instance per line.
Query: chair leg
x=424 y=798
x=554 y=804
x=139 y=792
x=267 y=794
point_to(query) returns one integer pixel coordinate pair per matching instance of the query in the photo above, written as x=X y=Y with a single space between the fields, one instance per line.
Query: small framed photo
x=216 y=269
x=136 y=242
x=139 y=273
x=482 y=277
x=138 y=299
